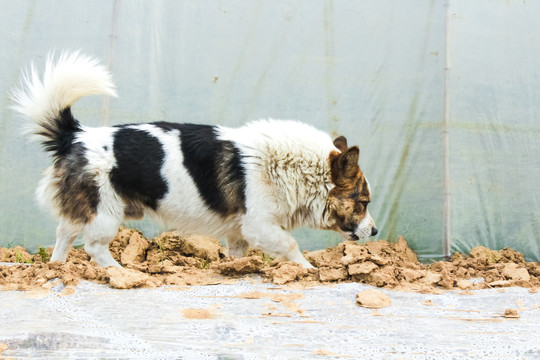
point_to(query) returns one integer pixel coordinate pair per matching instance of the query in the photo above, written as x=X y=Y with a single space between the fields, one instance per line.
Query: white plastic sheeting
x=441 y=96
x=241 y=321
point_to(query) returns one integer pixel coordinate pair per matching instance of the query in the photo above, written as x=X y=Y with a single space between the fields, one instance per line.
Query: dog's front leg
x=274 y=241
x=237 y=246
x=295 y=255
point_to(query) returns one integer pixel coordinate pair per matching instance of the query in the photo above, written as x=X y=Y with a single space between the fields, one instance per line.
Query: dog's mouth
x=353 y=237
x=364 y=234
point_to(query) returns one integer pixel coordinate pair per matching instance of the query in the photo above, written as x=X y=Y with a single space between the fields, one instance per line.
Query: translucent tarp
x=441 y=96
x=253 y=320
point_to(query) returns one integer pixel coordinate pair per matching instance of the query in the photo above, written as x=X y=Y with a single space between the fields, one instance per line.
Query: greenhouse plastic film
x=441 y=97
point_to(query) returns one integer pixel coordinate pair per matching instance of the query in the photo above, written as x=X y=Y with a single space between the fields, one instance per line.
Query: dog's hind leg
x=237 y=246
x=97 y=235
x=66 y=233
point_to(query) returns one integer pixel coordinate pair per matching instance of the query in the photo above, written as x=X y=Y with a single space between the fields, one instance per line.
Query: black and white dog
x=248 y=185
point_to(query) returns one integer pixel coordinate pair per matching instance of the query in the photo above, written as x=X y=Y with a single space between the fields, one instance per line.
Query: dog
x=249 y=185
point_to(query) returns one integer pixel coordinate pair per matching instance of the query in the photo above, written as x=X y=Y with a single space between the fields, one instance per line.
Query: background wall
x=441 y=96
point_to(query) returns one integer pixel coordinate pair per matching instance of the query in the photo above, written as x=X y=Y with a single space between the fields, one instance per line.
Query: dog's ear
x=344 y=167
x=349 y=161
x=341 y=143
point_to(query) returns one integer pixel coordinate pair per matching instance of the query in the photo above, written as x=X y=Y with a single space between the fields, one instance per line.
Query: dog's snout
x=374 y=231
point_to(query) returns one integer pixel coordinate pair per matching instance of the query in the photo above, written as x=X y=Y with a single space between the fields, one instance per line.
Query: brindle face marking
x=348 y=200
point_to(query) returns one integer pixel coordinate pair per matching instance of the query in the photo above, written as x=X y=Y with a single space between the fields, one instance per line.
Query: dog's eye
x=364 y=203
x=361 y=205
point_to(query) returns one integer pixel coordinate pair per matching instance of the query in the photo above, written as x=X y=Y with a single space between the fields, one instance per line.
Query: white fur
x=65 y=81
x=287 y=173
x=287 y=182
x=287 y=169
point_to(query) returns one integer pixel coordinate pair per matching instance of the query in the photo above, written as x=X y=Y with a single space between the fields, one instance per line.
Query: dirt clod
x=123 y=278
x=362 y=268
x=241 y=266
x=373 y=299
x=172 y=259
x=198 y=314
x=286 y=272
x=511 y=314
x=512 y=271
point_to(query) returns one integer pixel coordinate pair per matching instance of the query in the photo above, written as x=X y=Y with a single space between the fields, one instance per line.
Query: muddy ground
x=171 y=259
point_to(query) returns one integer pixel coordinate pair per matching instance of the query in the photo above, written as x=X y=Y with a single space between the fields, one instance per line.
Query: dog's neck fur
x=295 y=160
x=306 y=200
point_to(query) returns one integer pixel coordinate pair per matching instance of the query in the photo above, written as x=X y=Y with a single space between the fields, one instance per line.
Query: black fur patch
x=137 y=174
x=60 y=133
x=215 y=166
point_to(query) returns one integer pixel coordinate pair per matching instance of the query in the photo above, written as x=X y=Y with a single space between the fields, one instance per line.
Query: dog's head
x=348 y=200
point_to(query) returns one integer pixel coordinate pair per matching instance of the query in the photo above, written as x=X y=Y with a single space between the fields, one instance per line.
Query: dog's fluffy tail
x=48 y=102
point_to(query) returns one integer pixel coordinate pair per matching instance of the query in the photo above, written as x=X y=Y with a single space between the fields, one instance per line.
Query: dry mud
x=171 y=259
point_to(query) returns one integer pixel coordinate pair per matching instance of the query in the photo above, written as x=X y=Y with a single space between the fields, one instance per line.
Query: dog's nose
x=374 y=231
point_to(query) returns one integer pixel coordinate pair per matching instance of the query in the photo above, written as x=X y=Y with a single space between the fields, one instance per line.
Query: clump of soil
x=373 y=299
x=198 y=314
x=16 y=254
x=511 y=314
x=172 y=259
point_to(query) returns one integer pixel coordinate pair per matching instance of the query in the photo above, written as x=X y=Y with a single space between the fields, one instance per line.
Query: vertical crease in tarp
x=112 y=44
x=445 y=143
